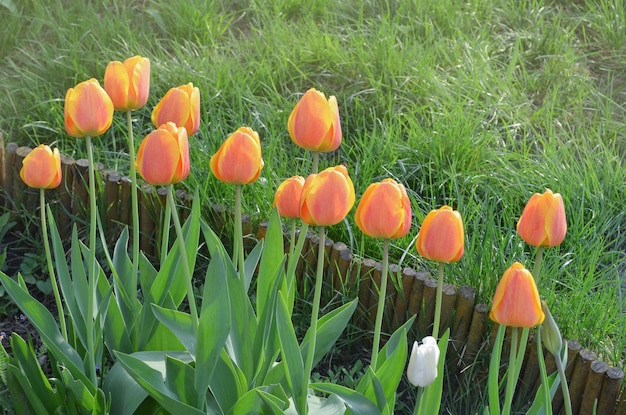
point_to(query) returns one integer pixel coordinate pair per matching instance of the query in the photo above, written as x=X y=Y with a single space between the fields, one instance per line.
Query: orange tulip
x=238 y=160
x=181 y=106
x=88 y=110
x=314 y=122
x=543 y=220
x=441 y=237
x=327 y=197
x=41 y=168
x=163 y=156
x=128 y=83
x=287 y=197
x=384 y=210
x=516 y=301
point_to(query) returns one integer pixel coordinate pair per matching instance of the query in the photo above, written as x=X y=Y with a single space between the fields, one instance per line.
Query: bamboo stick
x=146 y=221
x=372 y=303
x=66 y=200
x=462 y=320
x=21 y=196
x=613 y=379
x=417 y=293
x=402 y=297
x=111 y=202
x=338 y=269
x=426 y=317
x=593 y=386
x=475 y=336
x=579 y=377
x=365 y=287
x=2 y=172
x=390 y=298
x=81 y=193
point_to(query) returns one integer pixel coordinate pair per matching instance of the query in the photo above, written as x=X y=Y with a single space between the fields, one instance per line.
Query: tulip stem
x=316 y=160
x=93 y=270
x=316 y=304
x=512 y=376
x=183 y=257
x=438 y=300
x=165 y=233
x=238 y=238
x=567 y=401
x=53 y=279
x=134 y=201
x=381 y=305
x=537 y=266
x=544 y=375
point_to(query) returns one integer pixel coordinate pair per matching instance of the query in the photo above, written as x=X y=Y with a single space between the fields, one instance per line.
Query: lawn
x=476 y=105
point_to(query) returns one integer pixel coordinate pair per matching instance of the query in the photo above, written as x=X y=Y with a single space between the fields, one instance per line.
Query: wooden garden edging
x=410 y=292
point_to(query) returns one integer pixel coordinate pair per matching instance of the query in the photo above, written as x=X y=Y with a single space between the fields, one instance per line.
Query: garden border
x=411 y=293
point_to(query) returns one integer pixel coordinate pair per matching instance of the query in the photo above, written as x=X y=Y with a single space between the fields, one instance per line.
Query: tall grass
x=474 y=104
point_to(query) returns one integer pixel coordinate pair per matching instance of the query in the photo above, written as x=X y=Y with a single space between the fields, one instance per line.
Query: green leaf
x=494 y=369
x=179 y=378
x=76 y=313
x=355 y=401
x=290 y=352
x=228 y=383
x=152 y=381
x=33 y=382
x=180 y=324
x=214 y=324
x=257 y=401
x=47 y=328
x=271 y=259
x=251 y=262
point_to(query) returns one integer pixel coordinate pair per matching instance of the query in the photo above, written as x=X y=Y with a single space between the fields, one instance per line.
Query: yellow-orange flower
x=384 y=210
x=41 y=168
x=287 y=197
x=180 y=105
x=314 y=122
x=163 y=156
x=238 y=160
x=128 y=83
x=442 y=237
x=88 y=110
x=543 y=220
x=327 y=197
x=516 y=301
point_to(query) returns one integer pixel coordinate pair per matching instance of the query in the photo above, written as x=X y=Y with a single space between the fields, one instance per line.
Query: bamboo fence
x=410 y=292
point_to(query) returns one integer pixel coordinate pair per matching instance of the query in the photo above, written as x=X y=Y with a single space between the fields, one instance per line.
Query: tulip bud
x=163 y=155
x=287 y=197
x=41 y=168
x=551 y=335
x=180 y=105
x=88 y=110
x=516 y=300
x=314 y=122
x=422 y=369
x=441 y=237
x=128 y=83
x=327 y=197
x=238 y=160
x=543 y=220
x=384 y=210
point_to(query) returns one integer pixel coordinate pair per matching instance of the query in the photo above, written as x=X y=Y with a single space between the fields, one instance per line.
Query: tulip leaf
x=152 y=380
x=46 y=325
x=228 y=382
x=179 y=378
x=70 y=292
x=494 y=368
x=290 y=353
x=259 y=401
x=271 y=259
x=251 y=262
x=243 y=319
x=180 y=324
x=355 y=401
x=30 y=377
x=214 y=324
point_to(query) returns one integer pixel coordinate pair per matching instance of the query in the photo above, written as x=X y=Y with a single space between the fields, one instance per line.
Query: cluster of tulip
x=322 y=199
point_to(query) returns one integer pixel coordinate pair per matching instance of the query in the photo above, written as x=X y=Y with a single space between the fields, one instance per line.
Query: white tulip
x=422 y=370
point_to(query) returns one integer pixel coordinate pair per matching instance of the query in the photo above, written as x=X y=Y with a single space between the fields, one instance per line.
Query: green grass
x=476 y=105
